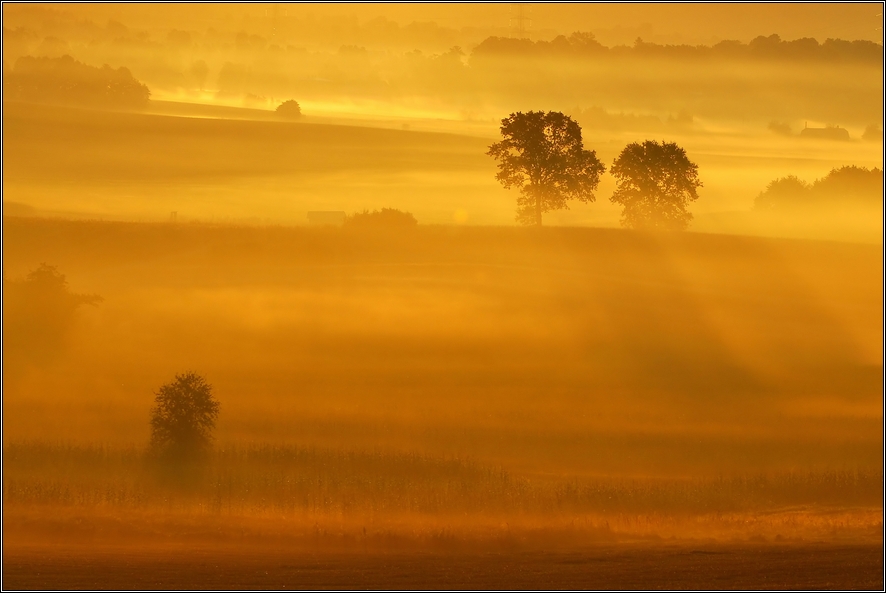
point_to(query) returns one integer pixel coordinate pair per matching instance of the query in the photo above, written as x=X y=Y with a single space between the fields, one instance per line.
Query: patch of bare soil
x=683 y=566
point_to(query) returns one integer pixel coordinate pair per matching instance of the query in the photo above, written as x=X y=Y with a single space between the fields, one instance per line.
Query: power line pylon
x=521 y=21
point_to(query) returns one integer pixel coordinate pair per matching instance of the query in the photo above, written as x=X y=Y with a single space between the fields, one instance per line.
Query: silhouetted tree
x=38 y=312
x=289 y=109
x=784 y=192
x=873 y=133
x=199 y=71
x=655 y=182
x=543 y=155
x=65 y=80
x=850 y=183
x=183 y=418
x=780 y=128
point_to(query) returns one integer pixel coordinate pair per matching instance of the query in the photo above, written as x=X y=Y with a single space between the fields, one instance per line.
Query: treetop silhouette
x=289 y=109
x=841 y=187
x=65 y=80
x=183 y=418
x=655 y=182
x=542 y=154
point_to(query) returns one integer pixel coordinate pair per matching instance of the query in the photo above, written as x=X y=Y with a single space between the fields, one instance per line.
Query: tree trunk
x=538 y=209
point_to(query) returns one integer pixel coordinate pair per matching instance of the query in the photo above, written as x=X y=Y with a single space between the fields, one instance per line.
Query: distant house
x=826 y=133
x=326 y=218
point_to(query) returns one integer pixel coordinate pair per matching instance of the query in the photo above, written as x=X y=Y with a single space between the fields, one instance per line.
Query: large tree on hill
x=543 y=155
x=655 y=182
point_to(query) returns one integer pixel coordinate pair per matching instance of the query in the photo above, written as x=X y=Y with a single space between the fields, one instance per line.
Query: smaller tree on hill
x=655 y=183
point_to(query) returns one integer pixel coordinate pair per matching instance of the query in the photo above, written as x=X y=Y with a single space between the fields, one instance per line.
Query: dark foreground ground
x=806 y=566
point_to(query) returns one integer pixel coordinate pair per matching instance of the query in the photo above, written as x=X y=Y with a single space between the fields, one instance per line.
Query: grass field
x=452 y=386
x=296 y=494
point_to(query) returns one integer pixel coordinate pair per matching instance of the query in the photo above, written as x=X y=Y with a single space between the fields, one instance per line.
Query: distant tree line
x=842 y=186
x=65 y=80
x=581 y=44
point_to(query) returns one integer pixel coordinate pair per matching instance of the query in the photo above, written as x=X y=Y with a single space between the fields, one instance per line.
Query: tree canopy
x=65 y=80
x=183 y=417
x=583 y=46
x=655 y=182
x=290 y=109
x=542 y=154
x=38 y=313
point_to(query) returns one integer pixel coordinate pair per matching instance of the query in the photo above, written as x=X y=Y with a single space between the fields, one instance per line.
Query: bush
x=386 y=218
x=289 y=109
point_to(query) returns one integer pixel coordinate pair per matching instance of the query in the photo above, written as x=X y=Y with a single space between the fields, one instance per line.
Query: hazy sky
x=612 y=23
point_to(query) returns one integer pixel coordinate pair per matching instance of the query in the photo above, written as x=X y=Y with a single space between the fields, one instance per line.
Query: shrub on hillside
x=289 y=109
x=386 y=218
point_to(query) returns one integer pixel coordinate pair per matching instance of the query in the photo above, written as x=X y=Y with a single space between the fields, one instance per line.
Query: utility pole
x=274 y=23
x=273 y=16
x=879 y=28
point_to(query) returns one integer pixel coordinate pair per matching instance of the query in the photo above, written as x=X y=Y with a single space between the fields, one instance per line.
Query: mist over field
x=465 y=279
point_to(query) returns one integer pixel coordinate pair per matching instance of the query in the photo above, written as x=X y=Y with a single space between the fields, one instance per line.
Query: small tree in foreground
x=183 y=418
x=655 y=183
x=543 y=155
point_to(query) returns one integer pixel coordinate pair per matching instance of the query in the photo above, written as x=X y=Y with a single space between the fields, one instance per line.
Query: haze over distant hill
x=436 y=25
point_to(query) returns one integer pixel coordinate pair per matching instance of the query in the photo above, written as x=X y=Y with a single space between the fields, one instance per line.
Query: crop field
x=420 y=390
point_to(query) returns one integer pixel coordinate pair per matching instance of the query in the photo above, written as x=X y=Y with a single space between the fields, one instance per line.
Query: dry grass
x=474 y=381
x=290 y=492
